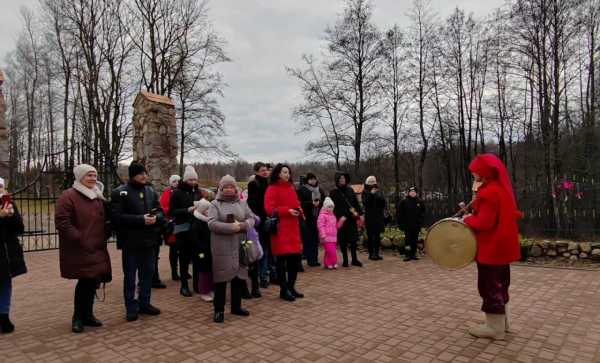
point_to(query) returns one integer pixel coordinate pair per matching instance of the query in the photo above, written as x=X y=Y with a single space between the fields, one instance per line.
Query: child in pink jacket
x=328 y=228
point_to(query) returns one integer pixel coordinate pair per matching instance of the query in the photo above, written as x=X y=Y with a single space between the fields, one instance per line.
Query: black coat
x=201 y=234
x=410 y=214
x=12 y=261
x=375 y=205
x=306 y=203
x=345 y=199
x=257 y=189
x=181 y=200
x=129 y=204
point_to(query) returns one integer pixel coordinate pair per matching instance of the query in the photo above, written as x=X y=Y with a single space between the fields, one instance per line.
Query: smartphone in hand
x=153 y=212
x=230 y=218
x=5 y=200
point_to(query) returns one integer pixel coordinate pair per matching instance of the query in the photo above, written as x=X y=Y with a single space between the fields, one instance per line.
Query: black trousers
x=344 y=244
x=156 y=276
x=85 y=292
x=493 y=282
x=237 y=285
x=310 y=241
x=373 y=242
x=411 y=239
x=287 y=270
x=173 y=258
x=188 y=254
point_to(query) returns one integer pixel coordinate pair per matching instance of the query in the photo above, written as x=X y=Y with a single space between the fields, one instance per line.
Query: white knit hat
x=371 y=180
x=328 y=203
x=81 y=170
x=174 y=178
x=190 y=173
x=201 y=206
x=2 y=183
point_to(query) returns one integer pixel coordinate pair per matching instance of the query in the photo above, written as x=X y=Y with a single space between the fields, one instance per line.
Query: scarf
x=316 y=193
x=95 y=193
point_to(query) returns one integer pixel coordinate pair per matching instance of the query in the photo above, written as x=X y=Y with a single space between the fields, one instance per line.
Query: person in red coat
x=286 y=244
x=494 y=221
x=165 y=203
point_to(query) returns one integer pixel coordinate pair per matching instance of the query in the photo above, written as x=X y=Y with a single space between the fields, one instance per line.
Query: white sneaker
x=207 y=298
x=335 y=267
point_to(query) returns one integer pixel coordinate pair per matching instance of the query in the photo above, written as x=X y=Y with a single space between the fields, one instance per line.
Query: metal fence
x=577 y=200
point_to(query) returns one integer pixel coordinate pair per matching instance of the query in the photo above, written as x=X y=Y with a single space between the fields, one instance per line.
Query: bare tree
x=355 y=47
x=421 y=35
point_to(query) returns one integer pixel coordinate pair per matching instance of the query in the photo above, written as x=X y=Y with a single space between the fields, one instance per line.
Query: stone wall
x=4 y=143
x=572 y=251
x=155 y=137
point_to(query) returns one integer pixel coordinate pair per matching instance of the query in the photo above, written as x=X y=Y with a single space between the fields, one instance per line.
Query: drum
x=451 y=243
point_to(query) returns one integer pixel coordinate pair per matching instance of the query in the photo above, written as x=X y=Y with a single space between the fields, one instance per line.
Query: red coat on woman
x=165 y=204
x=282 y=197
x=495 y=214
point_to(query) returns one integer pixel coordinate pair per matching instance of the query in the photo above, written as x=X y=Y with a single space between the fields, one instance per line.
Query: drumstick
x=464 y=209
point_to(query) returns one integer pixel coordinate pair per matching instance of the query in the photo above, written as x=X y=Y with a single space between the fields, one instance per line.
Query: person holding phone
x=182 y=210
x=228 y=220
x=80 y=219
x=138 y=232
x=12 y=261
x=286 y=243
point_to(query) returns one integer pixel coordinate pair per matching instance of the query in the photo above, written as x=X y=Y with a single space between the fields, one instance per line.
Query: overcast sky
x=263 y=37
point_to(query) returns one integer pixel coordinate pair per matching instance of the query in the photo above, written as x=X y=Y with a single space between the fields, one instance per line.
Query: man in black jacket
x=311 y=198
x=410 y=215
x=137 y=216
x=347 y=209
x=257 y=188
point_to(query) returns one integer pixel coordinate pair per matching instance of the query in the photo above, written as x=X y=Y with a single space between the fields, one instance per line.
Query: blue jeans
x=141 y=263
x=5 y=295
x=263 y=264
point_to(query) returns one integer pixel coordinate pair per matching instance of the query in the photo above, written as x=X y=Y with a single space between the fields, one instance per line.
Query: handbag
x=271 y=224
x=249 y=252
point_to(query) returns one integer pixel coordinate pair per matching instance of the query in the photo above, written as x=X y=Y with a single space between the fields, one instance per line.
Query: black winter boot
x=294 y=292
x=6 y=326
x=185 y=290
x=89 y=319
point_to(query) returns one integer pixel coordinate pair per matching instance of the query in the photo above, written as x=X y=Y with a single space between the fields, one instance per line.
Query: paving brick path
x=388 y=311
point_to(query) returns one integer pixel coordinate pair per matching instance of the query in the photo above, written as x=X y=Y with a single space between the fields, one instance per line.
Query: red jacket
x=165 y=204
x=494 y=221
x=282 y=197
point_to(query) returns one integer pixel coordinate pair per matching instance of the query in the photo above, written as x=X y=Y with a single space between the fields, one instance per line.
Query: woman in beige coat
x=228 y=220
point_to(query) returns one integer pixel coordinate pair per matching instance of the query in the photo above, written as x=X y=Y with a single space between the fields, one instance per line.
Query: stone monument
x=155 y=137
x=4 y=143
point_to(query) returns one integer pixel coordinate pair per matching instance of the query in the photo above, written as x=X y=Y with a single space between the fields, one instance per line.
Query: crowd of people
x=288 y=222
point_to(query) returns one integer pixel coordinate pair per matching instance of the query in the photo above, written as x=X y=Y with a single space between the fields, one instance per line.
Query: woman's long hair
x=277 y=170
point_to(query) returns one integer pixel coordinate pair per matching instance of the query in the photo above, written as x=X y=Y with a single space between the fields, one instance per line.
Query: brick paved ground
x=388 y=311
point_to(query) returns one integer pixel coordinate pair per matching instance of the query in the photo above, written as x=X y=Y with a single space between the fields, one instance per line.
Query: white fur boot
x=494 y=327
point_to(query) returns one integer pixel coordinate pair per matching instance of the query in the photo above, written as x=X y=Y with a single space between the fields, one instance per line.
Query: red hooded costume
x=495 y=213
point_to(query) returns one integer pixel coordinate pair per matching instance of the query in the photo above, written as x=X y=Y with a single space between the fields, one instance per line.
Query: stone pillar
x=4 y=143
x=155 y=137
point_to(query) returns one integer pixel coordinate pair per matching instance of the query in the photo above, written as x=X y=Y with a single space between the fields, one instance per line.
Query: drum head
x=451 y=243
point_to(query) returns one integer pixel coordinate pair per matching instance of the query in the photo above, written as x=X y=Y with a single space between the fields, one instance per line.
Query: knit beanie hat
x=81 y=170
x=2 y=182
x=174 y=178
x=136 y=169
x=328 y=203
x=371 y=180
x=190 y=173
x=227 y=180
